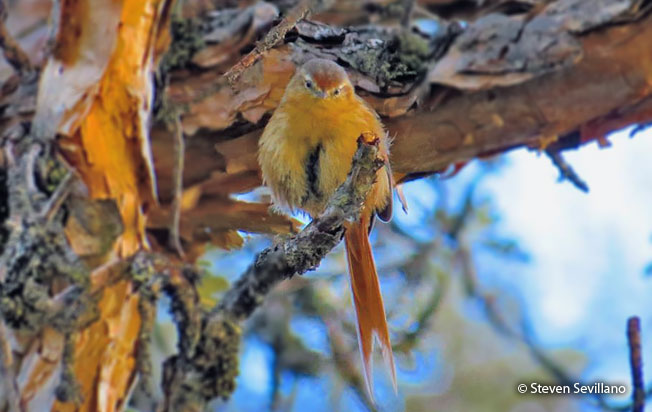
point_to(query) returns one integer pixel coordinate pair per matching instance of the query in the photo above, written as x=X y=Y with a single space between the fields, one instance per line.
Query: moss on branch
x=194 y=377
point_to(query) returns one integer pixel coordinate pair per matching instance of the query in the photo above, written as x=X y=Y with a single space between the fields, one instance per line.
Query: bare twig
x=179 y=148
x=566 y=170
x=502 y=326
x=410 y=339
x=639 y=128
x=407 y=12
x=12 y=51
x=30 y=169
x=299 y=12
x=636 y=362
x=58 y=197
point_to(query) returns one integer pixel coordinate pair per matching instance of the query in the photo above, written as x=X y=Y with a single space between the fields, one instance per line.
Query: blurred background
x=496 y=276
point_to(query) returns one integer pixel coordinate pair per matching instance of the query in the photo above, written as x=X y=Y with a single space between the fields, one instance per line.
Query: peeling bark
x=560 y=73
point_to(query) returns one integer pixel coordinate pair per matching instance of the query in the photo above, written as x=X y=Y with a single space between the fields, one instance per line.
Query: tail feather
x=368 y=301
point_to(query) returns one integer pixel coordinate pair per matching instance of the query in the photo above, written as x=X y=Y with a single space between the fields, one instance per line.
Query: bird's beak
x=320 y=94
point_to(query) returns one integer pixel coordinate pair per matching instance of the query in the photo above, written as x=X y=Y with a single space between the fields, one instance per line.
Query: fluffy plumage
x=305 y=154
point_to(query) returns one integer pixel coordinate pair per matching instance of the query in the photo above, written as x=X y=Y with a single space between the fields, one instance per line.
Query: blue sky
x=588 y=252
x=585 y=272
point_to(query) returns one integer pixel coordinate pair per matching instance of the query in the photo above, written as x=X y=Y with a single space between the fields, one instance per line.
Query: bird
x=305 y=153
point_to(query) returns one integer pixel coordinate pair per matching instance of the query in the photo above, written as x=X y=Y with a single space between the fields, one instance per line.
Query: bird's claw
x=369 y=138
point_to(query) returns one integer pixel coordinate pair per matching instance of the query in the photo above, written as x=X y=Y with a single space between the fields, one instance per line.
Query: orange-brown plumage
x=305 y=154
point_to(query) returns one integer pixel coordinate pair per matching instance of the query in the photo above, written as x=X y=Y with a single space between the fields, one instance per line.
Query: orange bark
x=111 y=152
x=96 y=91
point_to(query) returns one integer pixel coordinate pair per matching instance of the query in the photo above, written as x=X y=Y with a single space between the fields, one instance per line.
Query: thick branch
x=446 y=96
x=523 y=78
x=208 y=369
x=608 y=88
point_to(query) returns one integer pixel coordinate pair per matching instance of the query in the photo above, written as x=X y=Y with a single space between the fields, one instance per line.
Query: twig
x=410 y=339
x=502 y=326
x=299 y=12
x=639 y=128
x=180 y=150
x=408 y=8
x=189 y=378
x=58 y=197
x=30 y=169
x=555 y=369
x=636 y=362
x=566 y=170
x=12 y=51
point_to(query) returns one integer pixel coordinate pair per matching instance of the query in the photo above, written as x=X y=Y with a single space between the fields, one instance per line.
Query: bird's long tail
x=367 y=299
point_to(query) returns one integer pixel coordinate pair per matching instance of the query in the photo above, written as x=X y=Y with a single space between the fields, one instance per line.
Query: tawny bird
x=305 y=154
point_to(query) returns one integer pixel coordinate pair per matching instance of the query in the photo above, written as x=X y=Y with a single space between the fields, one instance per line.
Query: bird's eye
x=309 y=84
x=337 y=91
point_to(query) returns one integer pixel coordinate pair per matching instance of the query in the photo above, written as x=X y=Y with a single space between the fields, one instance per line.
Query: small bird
x=305 y=154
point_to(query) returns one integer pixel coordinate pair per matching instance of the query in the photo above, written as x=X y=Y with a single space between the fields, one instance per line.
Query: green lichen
x=149 y=283
x=54 y=172
x=186 y=311
x=387 y=56
x=219 y=356
x=142 y=270
x=35 y=256
x=69 y=389
x=147 y=311
x=187 y=39
x=210 y=372
x=413 y=51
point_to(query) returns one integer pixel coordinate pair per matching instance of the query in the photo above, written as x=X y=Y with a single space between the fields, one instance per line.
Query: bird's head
x=321 y=79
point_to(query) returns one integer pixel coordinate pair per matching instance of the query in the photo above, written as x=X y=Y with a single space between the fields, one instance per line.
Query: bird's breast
x=314 y=146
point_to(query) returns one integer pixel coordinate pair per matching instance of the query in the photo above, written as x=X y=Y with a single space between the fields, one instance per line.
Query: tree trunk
x=94 y=97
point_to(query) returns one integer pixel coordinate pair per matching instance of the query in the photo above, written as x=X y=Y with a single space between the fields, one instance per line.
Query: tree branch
x=566 y=171
x=12 y=51
x=636 y=363
x=208 y=369
x=179 y=148
x=446 y=96
x=276 y=35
